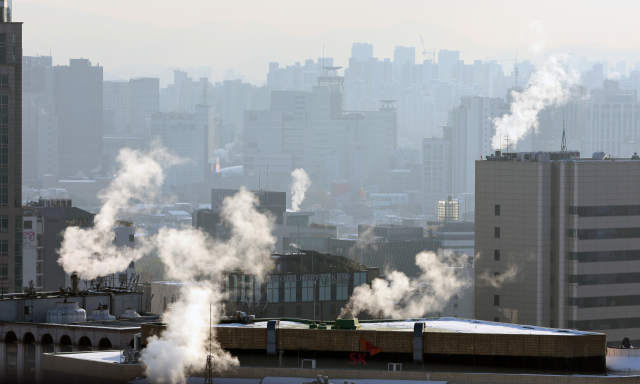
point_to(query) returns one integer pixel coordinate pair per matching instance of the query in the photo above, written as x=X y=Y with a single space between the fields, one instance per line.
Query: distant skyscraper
x=144 y=99
x=10 y=153
x=402 y=55
x=78 y=94
x=446 y=60
x=362 y=51
x=115 y=98
x=40 y=123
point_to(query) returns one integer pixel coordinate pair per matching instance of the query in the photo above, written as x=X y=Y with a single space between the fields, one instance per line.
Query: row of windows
x=605 y=278
x=604 y=233
x=605 y=210
x=604 y=256
x=605 y=301
x=603 y=324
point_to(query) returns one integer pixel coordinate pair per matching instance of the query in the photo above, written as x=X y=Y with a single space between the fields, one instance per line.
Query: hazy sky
x=492 y=23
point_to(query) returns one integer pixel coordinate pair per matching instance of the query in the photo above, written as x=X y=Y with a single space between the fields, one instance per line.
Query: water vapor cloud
x=299 y=186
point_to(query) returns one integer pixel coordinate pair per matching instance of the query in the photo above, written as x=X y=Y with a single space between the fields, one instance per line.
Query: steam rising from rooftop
x=188 y=254
x=550 y=85
x=400 y=297
x=299 y=186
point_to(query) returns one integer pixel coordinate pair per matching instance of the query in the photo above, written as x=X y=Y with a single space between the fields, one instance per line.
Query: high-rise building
x=115 y=98
x=558 y=241
x=10 y=152
x=40 y=123
x=144 y=99
x=611 y=123
x=302 y=128
x=362 y=51
x=446 y=60
x=79 y=103
x=191 y=136
x=436 y=173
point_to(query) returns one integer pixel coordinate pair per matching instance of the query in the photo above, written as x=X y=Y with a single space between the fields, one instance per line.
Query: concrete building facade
x=559 y=242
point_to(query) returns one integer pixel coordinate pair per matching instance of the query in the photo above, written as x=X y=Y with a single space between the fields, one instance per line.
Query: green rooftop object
x=347 y=324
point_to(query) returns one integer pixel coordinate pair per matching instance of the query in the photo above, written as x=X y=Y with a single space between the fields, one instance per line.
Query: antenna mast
x=563 y=146
x=208 y=371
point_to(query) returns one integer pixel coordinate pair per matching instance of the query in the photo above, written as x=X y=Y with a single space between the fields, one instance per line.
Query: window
x=289 y=291
x=359 y=278
x=4 y=223
x=496 y=277
x=496 y=255
x=4 y=136
x=455 y=305
x=325 y=287
x=258 y=291
x=79 y=223
x=497 y=232
x=4 y=156
x=307 y=288
x=496 y=319
x=342 y=290
x=4 y=247
x=131 y=237
x=4 y=80
x=19 y=226
x=273 y=290
x=497 y=210
x=496 y=300
x=28 y=224
x=4 y=270
x=3 y=48
x=4 y=195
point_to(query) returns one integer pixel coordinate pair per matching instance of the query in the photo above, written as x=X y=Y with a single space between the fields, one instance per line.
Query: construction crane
x=427 y=55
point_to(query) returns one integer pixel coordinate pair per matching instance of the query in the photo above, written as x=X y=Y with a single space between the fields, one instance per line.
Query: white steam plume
x=401 y=298
x=550 y=85
x=299 y=185
x=91 y=251
x=188 y=254
x=496 y=281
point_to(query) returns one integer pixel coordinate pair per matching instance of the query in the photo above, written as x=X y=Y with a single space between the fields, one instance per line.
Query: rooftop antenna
x=507 y=142
x=563 y=146
x=208 y=372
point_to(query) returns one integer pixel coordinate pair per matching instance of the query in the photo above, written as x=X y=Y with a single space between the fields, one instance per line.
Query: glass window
x=4 y=156
x=497 y=232
x=4 y=80
x=19 y=224
x=4 y=195
x=342 y=290
x=273 y=290
x=241 y=287
x=497 y=210
x=289 y=291
x=496 y=255
x=325 y=287
x=4 y=136
x=307 y=288
x=4 y=247
x=4 y=223
x=234 y=287
x=4 y=270
x=496 y=300
x=249 y=288
x=28 y=224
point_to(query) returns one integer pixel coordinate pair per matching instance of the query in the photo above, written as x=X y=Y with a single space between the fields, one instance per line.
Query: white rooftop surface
x=103 y=357
x=623 y=364
x=446 y=324
x=293 y=380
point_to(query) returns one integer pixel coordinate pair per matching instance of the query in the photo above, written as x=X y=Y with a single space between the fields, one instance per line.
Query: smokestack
x=74 y=282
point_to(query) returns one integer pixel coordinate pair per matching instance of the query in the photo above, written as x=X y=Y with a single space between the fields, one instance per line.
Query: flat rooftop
x=444 y=324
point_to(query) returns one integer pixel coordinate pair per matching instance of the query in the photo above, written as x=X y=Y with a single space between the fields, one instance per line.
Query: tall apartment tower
x=570 y=230
x=79 y=103
x=10 y=152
